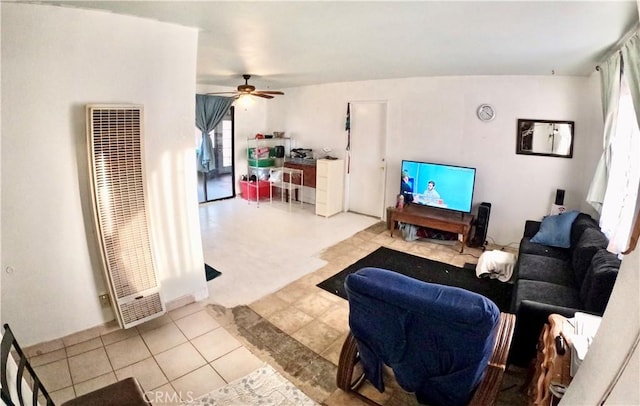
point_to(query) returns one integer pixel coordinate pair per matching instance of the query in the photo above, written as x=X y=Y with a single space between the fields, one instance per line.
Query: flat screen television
x=437 y=185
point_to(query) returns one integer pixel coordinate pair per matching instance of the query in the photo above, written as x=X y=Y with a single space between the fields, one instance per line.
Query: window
x=619 y=205
x=227 y=136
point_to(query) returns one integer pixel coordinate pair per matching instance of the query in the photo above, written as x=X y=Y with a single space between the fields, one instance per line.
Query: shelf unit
x=264 y=154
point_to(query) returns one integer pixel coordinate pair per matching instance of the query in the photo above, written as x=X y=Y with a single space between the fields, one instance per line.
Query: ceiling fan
x=250 y=90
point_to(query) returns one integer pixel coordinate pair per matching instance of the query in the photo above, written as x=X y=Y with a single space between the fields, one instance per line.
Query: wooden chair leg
x=486 y=393
x=347 y=365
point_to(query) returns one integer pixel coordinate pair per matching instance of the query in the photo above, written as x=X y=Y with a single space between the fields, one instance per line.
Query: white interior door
x=367 y=163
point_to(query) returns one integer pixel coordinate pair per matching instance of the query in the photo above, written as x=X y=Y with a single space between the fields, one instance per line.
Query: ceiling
x=288 y=44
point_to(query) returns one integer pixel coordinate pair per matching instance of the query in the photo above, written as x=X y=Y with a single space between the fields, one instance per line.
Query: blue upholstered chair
x=447 y=345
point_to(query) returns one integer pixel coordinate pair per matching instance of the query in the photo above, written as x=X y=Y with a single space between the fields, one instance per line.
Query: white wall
x=434 y=119
x=54 y=62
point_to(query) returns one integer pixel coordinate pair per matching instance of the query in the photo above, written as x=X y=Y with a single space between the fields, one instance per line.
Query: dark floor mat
x=210 y=272
x=425 y=270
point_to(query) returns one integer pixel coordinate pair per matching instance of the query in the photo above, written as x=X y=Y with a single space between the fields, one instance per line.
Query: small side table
x=552 y=368
x=288 y=180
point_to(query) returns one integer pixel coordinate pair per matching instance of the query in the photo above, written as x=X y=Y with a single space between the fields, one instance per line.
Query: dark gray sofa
x=559 y=280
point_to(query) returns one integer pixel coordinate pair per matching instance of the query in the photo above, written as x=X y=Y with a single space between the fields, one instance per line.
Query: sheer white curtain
x=631 y=57
x=610 y=91
x=618 y=210
x=619 y=205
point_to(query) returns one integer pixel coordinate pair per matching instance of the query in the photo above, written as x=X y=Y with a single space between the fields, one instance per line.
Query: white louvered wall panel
x=115 y=139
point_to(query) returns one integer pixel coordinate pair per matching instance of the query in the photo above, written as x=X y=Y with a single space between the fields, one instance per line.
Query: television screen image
x=437 y=185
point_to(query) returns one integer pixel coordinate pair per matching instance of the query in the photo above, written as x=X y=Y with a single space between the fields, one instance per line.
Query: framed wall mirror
x=545 y=137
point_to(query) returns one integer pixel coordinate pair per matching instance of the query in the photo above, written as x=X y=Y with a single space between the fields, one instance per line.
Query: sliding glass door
x=218 y=183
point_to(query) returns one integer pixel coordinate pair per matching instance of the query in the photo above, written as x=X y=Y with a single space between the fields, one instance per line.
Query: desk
x=551 y=368
x=309 y=171
x=459 y=223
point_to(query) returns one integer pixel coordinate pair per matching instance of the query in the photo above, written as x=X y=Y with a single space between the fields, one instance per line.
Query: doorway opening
x=218 y=183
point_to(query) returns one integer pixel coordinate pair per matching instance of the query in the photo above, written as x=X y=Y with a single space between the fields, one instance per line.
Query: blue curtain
x=209 y=112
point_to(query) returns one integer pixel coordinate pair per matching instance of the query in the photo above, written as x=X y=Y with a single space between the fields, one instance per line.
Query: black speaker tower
x=482 y=225
x=559 y=197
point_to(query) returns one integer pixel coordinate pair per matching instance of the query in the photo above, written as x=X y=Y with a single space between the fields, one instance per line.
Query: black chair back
x=23 y=379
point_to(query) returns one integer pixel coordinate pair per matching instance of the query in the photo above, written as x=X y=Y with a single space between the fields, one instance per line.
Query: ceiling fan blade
x=264 y=96
x=270 y=92
x=250 y=90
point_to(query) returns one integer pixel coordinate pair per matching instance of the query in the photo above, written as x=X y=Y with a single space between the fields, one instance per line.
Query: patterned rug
x=264 y=386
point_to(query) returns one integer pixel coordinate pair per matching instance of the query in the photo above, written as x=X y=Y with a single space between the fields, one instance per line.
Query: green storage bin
x=261 y=163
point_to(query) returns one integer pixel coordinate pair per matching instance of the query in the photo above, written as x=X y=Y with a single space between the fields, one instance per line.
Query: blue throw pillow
x=555 y=231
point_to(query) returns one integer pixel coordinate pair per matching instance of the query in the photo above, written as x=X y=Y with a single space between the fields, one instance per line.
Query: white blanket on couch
x=497 y=264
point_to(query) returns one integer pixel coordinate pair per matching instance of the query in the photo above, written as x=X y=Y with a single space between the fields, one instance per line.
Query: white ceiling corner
x=288 y=44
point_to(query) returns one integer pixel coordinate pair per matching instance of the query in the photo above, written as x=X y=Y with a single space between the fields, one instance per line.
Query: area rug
x=425 y=270
x=264 y=386
x=210 y=272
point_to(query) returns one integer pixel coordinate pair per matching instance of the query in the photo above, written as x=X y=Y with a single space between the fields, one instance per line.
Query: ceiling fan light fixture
x=249 y=90
x=245 y=100
x=246 y=88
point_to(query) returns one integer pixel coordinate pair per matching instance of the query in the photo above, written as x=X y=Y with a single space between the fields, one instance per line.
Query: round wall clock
x=486 y=112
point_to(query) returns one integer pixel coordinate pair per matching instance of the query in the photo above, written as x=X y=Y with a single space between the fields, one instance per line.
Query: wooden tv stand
x=459 y=223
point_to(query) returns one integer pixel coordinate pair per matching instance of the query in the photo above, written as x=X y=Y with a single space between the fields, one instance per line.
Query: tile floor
x=180 y=356
x=261 y=248
x=298 y=329
x=317 y=321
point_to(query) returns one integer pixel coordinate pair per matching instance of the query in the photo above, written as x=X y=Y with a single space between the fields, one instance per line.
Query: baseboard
x=179 y=302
